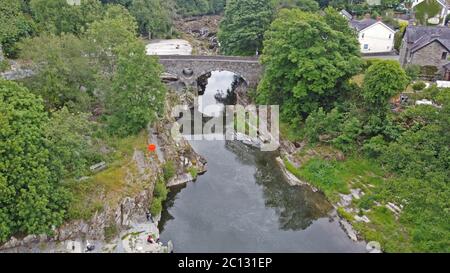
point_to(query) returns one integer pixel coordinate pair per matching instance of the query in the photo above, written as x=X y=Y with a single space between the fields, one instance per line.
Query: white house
x=374 y=36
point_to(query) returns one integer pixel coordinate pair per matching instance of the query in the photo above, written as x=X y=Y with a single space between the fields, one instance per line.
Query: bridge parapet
x=188 y=68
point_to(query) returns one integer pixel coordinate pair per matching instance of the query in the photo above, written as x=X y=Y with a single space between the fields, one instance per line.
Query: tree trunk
x=2 y=58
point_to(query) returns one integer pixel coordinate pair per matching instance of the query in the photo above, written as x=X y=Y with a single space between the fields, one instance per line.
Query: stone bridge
x=188 y=68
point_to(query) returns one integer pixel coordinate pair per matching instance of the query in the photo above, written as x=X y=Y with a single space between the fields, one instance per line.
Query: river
x=244 y=204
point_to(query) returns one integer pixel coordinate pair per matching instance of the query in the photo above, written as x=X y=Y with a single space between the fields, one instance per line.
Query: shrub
x=417 y=86
x=161 y=190
x=159 y=196
x=168 y=170
x=4 y=65
x=156 y=206
x=413 y=71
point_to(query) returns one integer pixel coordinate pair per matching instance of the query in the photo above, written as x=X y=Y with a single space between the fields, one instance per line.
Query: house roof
x=418 y=37
x=346 y=14
x=365 y=23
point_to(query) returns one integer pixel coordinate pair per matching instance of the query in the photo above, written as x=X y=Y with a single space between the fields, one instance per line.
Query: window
x=444 y=56
x=366 y=46
x=362 y=35
x=390 y=35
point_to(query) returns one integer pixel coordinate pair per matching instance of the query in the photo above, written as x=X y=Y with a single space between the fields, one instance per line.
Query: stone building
x=429 y=48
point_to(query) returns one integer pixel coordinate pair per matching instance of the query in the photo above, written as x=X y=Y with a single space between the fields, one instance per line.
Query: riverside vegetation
x=89 y=102
x=337 y=104
x=94 y=93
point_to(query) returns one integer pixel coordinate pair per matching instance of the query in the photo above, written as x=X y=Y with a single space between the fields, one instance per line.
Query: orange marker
x=151 y=147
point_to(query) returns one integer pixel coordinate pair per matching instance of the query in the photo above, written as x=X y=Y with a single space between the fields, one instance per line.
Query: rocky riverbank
x=287 y=155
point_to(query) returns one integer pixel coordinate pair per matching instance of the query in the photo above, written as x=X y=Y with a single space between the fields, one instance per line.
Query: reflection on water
x=243 y=203
x=285 y=199
x=215 y=96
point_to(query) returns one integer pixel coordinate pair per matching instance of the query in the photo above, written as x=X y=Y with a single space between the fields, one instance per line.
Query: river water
x=244 y=204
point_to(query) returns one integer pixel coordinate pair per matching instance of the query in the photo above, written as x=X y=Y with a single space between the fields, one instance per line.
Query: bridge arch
x=248 y=68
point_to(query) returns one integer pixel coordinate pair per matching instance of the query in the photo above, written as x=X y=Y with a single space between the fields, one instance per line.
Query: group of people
x=150 y=238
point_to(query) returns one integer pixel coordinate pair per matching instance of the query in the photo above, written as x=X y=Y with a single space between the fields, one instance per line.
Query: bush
x=168 y=170
x=159 y=196
x=156 y=206
x=375 y=146
x=111 y=231
x=417 y=86
x=428 y=71
x=4 y=65
x=161 y=190
x=413 y=71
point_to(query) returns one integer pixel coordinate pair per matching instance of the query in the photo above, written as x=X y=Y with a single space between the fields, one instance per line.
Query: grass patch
x=344 y=214
x=290 y=132
x=421 y=227
x=111 y=231
x=159 y=196
x=193 y=171
x=323 y=174
x=387 y=230
x=107 y=187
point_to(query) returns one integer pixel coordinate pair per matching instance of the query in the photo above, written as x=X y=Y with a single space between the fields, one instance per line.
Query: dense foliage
x=307 y=60
x=137 y=94
x=31 y=198
x=154 y=17
x=199 y=7
x=93 y=85
x=57 y=16
x=65 y=75
x=412 y=144
x=14 y=25
x=243 y=26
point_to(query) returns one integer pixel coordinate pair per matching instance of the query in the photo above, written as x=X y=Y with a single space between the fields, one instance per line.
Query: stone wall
x=430 y=55
x=189 y=68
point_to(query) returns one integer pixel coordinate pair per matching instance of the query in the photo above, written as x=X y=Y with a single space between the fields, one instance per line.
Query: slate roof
x=364 y=23
x=360 y=25
x=346 y=14
x=419 y=36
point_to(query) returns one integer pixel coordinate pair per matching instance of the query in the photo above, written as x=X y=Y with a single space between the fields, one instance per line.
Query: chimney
x=379 y=18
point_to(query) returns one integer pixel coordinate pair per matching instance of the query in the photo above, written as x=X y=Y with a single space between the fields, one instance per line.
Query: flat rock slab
x=169 y=47
x=180 y=179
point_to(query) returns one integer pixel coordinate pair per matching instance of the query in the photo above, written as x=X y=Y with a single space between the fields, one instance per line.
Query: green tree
x=31 y=199
x=14 y=25
x=307 y=62
x=65 y=76
x=382 y=81
x=71 y=143
x=192 y=7
x=57 y=16
x=242 y=28
x=153 y=16
x=116 y=29
x=137 y=96
x=305 y=5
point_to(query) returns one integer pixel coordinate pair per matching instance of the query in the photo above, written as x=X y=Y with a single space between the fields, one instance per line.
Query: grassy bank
x=420 y=226
x=111 y=185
